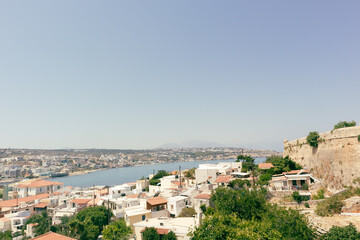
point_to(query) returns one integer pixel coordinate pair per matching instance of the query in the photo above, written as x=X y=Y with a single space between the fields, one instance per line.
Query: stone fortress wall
x=336 y=161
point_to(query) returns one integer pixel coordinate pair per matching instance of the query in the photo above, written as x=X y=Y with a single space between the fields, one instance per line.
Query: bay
x=117 y=176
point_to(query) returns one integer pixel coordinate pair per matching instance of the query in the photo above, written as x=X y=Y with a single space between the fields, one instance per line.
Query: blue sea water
x=116 y=176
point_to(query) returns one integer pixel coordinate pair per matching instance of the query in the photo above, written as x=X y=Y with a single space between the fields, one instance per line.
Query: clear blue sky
x=140 y=74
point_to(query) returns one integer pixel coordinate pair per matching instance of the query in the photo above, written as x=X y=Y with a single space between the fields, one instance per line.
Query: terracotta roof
x=279 y=178
x=13 y=202
x=160 y=231
x=223 y=179
x=41 y=205
x=102 y=191
x=52 y=236
x=174 y=172
x=56 y=193
x=91 y=203
x=265 y=165
x=203 y=196
x=4 y=219
x=80 y=201
x=296 y=171
x=37 y=183
x=156 y=201
x=132 y=196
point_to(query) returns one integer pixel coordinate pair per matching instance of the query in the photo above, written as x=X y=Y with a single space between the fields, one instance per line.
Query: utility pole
x=253 y=173
x=94 y=194
x=180 y=176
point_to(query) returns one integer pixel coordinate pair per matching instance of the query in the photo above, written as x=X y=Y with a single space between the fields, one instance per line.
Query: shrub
x=307 y=205
x=348 y=232
x=320 y=194
x=344 y=124
x=239 y=183
x=359 y=138
x=296 y=197
x=187 y=212
x=305 y=187
x=312 y=139
x=329 y=207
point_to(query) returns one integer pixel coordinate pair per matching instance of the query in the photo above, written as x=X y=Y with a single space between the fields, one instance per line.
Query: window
x=143 y=217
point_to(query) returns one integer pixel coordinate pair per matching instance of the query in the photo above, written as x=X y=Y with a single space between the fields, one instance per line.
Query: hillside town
x=172 y=203
x=29 y=163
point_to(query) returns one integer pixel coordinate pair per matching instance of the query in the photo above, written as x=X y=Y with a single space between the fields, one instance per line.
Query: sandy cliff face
x=336 y=161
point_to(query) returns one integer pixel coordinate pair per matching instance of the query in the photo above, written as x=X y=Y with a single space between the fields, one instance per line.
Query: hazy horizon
x=139 y=75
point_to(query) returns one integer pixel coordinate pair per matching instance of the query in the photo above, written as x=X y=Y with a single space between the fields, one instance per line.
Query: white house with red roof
x=36 y=186
x=293 y=180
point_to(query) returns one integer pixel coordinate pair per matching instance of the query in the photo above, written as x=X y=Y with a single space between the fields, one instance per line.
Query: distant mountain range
x=193 y=144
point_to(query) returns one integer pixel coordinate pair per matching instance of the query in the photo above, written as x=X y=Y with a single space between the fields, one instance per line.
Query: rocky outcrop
x=336 y=161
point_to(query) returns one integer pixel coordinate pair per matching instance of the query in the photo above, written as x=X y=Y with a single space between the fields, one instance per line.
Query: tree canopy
x=338 y=233
x=344 y=124
x=89 y=223
x=313 y=139
x=248 y=162
x=155 y=179
x=281 y=164
x=43 y=221
x=245 y=214
x=187 y=212
x=117 y=230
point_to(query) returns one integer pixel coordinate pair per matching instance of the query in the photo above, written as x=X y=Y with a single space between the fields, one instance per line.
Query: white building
x=209 y=172
x=176 y=204
x=35 y=187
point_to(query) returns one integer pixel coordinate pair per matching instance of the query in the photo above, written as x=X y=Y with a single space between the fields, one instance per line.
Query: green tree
x=289 y=222
x=89 y=223
x=117 y=230
x=244 y=203
x=282 y=164
x=169 y=236
x=155 y=180
x=226 y=227
x=43 y=221
x=6 y=235
x=150 y=234
x=190 y=173
x=248 y=162
x=344 y=124
x=329 y=207
x=239 y=183
x=313 y=139
x=338 y=233
x=187 y=212
x=264 y=179
x=296 y=197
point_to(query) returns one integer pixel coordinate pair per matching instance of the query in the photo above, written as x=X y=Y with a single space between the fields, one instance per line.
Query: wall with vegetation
x=336 y=160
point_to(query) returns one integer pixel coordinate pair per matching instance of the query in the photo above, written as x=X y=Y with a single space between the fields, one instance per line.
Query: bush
x=344 y=124
x=307 y=205
x=359 y=138
x=244 y=203
x=282 y=164
x=305 y=187
x=312 y=139
x=296 y=197
x=349 y=232
x=329 y=207
x=239 y=184
x=187 y=212
x=319 y=195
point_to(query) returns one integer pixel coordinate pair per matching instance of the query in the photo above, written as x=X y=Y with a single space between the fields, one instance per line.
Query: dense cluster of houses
x=159 y=207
